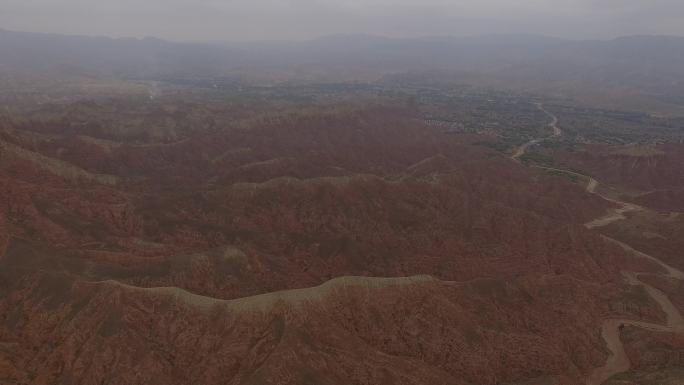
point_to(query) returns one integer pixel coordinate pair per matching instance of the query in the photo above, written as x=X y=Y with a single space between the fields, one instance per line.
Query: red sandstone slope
x=290 y=203
x=650 y=176
x=656 y=358
x=653 y=172
x=441 y=333
x=663 y=200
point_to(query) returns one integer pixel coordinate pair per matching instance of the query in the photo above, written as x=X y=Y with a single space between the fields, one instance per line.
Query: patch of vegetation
x=617 y=127
x=499 y=146
x=533 y=157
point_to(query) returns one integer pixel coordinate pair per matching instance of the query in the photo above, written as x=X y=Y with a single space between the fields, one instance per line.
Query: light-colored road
x=267 y=301
x=592 y=184
x=618 y=361
x=522 y=150
x=614 y=215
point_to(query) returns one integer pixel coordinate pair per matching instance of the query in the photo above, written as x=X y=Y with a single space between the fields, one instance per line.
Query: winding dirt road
x=522 y=150
x=618 y=361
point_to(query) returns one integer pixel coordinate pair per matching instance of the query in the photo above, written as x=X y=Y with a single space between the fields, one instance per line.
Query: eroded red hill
x=516 y=286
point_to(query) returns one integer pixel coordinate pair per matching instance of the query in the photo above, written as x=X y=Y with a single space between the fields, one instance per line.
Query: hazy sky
x=301 y=19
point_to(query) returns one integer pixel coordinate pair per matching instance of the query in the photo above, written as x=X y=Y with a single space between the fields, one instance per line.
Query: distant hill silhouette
x=647 y=65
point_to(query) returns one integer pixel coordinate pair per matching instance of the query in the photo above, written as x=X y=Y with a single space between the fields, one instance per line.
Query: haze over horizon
x=205 y=20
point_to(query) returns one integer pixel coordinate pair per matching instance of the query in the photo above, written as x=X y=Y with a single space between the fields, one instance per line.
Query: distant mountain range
x=648 y=65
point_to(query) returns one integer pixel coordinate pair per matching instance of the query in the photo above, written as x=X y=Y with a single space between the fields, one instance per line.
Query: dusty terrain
x=328 y=245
